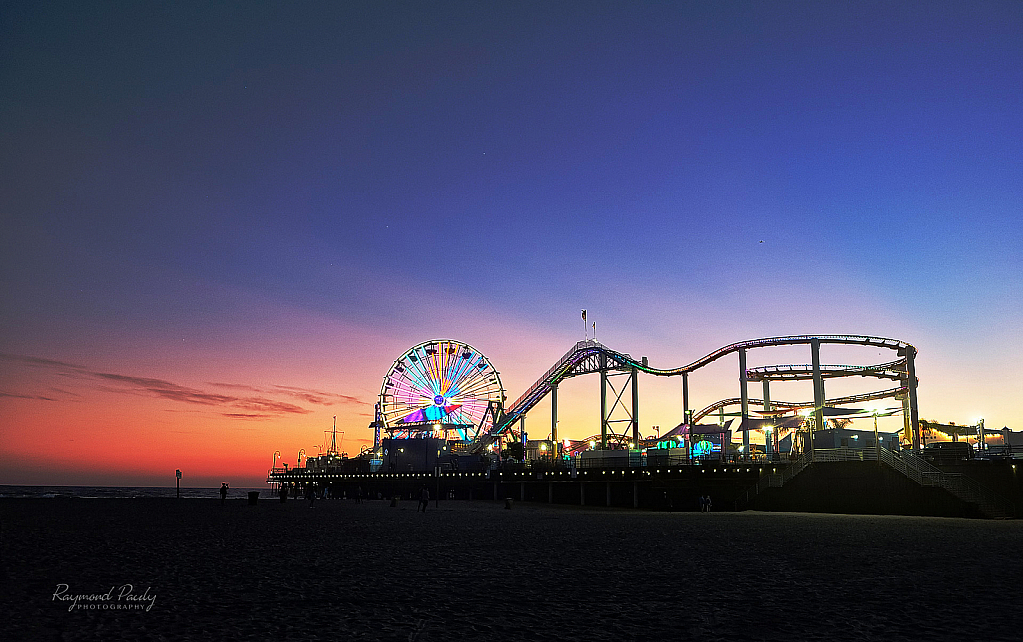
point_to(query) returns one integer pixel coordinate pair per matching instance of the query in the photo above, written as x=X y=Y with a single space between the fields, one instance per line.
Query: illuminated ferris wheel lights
x=439 y=381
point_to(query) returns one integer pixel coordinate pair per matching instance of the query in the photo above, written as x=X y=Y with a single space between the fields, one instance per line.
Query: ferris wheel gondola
x=443 y=382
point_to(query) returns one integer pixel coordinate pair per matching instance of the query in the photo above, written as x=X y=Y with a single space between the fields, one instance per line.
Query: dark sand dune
x=474 y=571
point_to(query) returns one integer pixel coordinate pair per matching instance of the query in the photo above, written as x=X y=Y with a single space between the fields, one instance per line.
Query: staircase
x=965 y=488
x=777 y=480
x=989 y=503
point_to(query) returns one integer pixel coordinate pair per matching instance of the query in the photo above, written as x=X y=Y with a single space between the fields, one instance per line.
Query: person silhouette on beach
x=223 y=492
x=310 y=494
x=358 y=495
x=424 y=499
x=282 y=492
x=707 y=503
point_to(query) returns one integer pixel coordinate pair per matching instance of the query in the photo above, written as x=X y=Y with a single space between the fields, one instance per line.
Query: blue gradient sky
x=292 y=195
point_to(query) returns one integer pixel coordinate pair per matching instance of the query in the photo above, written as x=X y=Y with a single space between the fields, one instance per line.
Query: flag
x=584 y=315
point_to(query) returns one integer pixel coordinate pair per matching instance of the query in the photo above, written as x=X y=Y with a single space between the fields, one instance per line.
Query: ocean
x=126 y=492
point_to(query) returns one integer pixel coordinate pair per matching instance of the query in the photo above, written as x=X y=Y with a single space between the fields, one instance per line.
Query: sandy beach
x=475 y=571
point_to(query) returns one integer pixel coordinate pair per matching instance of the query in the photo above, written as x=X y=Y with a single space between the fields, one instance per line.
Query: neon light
x=702 y=448
x=440 y=380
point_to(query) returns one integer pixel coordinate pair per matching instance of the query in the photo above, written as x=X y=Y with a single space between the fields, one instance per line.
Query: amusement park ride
x=442 y=414
x=448 y=391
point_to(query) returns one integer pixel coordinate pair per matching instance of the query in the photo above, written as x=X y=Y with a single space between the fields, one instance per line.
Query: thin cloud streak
x=17 y=396
x=305 y=394
x=259 y=405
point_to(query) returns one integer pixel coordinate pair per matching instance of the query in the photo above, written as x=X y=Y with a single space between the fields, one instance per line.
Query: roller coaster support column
x=554 y=413
x=744 y=398
x=914 y=413
x=818 y=390
x=522 y=434
x=767 y=407
x=635 y=406
x=907 y=422
x=685 y=397
x=603 y=401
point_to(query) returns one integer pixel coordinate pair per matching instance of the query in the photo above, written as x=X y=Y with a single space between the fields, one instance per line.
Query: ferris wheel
x=439 y=382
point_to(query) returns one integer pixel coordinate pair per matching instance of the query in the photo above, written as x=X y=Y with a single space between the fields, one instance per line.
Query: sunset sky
x=222 y=222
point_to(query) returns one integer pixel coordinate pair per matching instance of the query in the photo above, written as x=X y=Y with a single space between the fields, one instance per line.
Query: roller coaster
x=591 y=357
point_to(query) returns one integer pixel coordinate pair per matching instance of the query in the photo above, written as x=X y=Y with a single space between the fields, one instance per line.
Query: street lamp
x=877 y=440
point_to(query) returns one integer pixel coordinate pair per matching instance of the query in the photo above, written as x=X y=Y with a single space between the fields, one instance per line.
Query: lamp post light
x=298 y=460
x=877 y=441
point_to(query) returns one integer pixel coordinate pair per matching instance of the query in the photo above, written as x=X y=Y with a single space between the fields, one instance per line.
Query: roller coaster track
x=735 y=401
x=800 y=405
x=895 y=370
x=591 y=356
